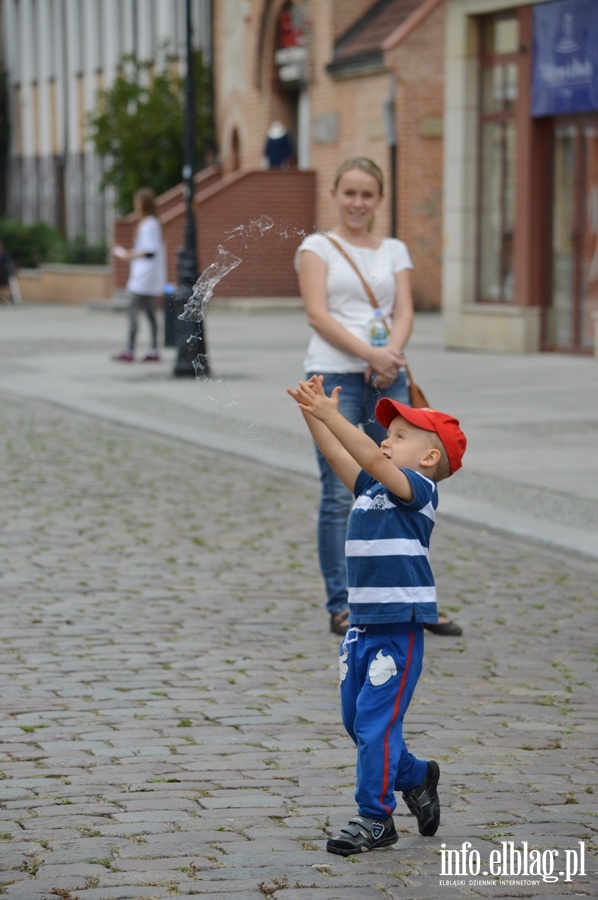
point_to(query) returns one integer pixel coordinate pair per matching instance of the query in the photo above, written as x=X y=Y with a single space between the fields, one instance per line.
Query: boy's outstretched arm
x=361 y=449
x=308 y=396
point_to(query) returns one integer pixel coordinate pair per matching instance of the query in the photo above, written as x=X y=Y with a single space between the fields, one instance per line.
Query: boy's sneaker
x=152 y=356
x=361 y=835
x=424 y=803
x=125 y=356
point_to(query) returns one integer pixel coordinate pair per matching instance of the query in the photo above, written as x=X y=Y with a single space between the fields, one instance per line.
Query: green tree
x=138 y=127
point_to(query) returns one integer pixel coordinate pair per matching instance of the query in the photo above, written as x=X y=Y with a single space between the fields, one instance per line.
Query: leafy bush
x=79 y=252
x=30 y=245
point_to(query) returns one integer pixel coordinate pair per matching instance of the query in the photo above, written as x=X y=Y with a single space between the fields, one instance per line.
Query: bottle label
x=378 y=332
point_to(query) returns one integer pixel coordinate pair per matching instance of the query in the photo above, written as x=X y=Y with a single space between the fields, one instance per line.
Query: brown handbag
x=417 y=398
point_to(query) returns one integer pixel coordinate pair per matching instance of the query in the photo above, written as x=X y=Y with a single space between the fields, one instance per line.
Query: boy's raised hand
x=312 y=399
x=321 y=413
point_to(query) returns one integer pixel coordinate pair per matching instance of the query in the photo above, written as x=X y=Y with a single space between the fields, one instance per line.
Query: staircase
x=259 y=216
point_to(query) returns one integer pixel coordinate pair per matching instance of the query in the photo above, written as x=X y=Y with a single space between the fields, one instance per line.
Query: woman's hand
x=380 y=382
x=385 y=363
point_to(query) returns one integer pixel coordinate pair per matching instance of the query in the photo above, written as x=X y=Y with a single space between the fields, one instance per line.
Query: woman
x=147 y=274
x=340 y=349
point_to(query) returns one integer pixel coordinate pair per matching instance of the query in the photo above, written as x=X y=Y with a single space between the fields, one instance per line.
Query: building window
x=291 y=53
x=499 y=76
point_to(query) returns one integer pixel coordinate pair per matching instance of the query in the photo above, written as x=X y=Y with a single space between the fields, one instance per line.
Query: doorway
x=568 y=320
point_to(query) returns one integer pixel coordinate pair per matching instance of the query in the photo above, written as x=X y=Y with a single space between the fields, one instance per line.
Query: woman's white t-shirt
x=147 y=274
x=348 y=302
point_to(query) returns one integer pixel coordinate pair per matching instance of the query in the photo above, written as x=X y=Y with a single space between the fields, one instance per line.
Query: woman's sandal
x=446 y=627
x=339 y=623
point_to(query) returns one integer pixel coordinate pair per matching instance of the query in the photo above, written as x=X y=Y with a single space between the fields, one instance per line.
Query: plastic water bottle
x=378 y=330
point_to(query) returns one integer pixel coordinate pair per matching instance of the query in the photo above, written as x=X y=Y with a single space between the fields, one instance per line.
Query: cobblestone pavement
x=529 y=418
x=170 y=724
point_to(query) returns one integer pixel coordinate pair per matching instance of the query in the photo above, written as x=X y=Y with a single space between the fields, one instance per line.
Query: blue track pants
x=379 y=669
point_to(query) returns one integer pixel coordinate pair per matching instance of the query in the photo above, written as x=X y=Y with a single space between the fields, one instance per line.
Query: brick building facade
x=520 y=271
x=338 y=76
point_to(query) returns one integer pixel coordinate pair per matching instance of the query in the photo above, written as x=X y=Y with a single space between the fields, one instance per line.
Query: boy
x=391 y=595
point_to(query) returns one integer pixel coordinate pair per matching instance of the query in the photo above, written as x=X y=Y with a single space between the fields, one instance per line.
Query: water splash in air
x=242 y=237
x=196 y=305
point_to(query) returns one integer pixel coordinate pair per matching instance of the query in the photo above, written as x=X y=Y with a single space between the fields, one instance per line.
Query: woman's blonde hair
x=365 y=165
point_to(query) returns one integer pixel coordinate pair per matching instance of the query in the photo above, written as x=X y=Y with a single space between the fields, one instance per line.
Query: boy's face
x=405 y=445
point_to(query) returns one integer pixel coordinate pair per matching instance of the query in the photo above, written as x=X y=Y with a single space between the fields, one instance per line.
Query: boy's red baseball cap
x=445 y=426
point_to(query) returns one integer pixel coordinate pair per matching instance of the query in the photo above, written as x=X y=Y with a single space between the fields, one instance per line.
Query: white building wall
x=59 y=54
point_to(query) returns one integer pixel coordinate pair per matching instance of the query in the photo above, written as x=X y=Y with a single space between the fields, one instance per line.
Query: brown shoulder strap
x=355 y=267
x=369 y=293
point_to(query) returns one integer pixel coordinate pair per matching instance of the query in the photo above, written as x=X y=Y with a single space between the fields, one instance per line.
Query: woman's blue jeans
x=356 y=402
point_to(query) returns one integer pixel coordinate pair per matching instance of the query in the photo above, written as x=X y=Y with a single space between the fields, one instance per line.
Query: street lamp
x=191 y=358
x=390 y=120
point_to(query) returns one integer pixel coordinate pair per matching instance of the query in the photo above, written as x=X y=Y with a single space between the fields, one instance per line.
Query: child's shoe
x=152 y=356
x=125 y=356
x=424 y=803
x=361 y=835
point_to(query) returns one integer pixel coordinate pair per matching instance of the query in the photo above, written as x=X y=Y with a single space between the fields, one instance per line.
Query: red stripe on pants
x=393 y=718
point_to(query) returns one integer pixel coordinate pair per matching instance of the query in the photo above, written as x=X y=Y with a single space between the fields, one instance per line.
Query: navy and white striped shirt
x=387 y=549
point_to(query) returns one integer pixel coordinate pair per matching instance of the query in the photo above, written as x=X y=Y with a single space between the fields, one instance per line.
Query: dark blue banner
x=565 y=57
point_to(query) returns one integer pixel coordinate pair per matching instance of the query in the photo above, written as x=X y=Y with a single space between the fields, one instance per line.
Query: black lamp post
x=392 y=140
x=191 y=345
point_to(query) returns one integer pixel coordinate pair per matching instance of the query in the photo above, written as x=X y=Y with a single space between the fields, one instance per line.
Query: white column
x=178 y=29
x=12 y=53
x=25 y=69
x=164 y=18
x=59 y=74
x=73 y=55
x=111 y=49
x=46 y=186
x=44 y=67
x=459 y=174
x=146 y=43
x=11 y=27
x=128 y=36
x=91 y=58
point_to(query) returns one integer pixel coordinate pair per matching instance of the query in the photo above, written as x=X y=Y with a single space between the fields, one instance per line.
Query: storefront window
x=497 y=211
x=590 y=241
x=496 y=201
x=499 y=88
x=570 y=317
x=559 y=330
x=500 y=35
x=291 y=54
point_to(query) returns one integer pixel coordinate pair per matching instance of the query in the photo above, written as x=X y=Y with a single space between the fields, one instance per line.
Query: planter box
x=60 y=283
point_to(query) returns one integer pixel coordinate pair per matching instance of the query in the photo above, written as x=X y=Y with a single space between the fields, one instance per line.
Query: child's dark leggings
x=142 y=303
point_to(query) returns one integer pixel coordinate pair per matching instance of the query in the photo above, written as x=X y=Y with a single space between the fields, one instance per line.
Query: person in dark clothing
x=278 y=148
